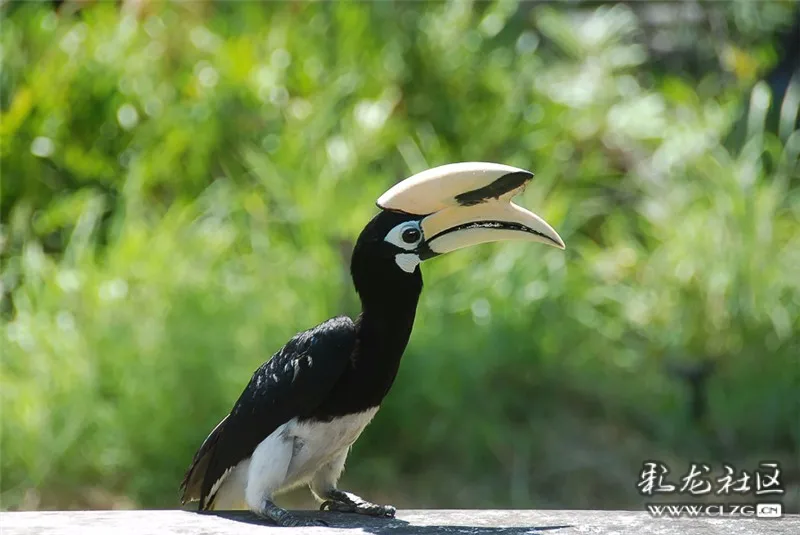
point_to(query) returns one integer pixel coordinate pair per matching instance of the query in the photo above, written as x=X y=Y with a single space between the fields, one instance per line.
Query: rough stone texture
x=477 y=522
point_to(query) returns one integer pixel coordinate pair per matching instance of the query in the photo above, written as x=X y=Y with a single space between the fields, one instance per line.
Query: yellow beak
x=467 y=204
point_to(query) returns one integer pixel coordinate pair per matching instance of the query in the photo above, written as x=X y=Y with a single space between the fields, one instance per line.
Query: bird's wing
x=294 y=381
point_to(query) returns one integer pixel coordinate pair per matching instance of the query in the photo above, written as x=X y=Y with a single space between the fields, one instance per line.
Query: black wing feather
x=292 y=383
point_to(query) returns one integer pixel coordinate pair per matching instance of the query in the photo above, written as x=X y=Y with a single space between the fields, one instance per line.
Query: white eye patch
x=408 y=262
x=407 y=235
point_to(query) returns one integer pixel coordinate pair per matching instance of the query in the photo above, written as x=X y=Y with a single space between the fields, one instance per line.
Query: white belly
x=289 y=457
x=316 y=444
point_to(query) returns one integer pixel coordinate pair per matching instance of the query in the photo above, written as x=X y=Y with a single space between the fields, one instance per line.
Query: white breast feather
x=322 y=441
x=291 y=455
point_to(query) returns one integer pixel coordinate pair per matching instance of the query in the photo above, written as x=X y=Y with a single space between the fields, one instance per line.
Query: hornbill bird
x=303 y=409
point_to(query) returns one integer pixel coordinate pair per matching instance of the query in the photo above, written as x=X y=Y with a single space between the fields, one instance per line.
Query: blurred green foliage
x=181 y=187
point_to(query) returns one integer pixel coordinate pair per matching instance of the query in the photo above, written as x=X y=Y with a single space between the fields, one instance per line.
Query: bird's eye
x=406 y=235
x=411 y=235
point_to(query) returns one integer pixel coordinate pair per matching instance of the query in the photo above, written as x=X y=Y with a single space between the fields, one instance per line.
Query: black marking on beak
x=502 y=185
x=499 y=225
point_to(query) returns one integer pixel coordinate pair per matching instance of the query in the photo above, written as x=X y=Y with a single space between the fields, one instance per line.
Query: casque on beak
x=468 y=203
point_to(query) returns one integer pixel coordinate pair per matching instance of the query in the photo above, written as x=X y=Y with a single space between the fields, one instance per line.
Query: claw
x=388 y=511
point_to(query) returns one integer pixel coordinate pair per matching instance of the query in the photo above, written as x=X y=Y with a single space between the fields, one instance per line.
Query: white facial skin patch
x=406 y=235
x=408 y=262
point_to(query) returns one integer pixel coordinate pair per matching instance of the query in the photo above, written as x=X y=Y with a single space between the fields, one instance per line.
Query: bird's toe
x=289 y=521
x=364 y=508
x=292 y=521
x=337 y=506
x=373 y=509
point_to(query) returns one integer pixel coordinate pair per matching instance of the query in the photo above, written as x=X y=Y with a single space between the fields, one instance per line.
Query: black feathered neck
x=389 y=299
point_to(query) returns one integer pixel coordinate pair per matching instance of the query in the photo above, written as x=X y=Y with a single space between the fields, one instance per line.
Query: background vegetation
x=182 y=185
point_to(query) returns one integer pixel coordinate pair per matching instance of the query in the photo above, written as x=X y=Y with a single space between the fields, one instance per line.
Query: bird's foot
x=284 y=518
x=361 y=507
x=293 y=521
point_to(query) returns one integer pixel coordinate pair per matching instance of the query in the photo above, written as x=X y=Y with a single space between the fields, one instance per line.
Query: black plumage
x=337 y=368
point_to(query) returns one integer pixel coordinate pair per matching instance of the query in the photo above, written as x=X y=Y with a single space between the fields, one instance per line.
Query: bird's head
x=447 y=208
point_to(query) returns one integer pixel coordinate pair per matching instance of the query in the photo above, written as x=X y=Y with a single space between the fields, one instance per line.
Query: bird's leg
x=323 y=485
x=284 y=518
x=266 y=473
x=347 y=502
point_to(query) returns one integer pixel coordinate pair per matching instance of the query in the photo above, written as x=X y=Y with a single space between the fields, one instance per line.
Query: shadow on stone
x=387 y=526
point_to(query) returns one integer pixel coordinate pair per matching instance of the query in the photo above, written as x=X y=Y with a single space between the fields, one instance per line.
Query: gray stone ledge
x=411 y=522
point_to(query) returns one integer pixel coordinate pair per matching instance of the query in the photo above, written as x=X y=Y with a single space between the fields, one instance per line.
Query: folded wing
x=293 y=382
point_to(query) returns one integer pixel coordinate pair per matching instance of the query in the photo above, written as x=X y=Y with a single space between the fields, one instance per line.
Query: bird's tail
x=192 y=484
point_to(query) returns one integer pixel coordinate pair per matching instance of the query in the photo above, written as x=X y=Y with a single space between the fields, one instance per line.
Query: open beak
x=468 y=203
